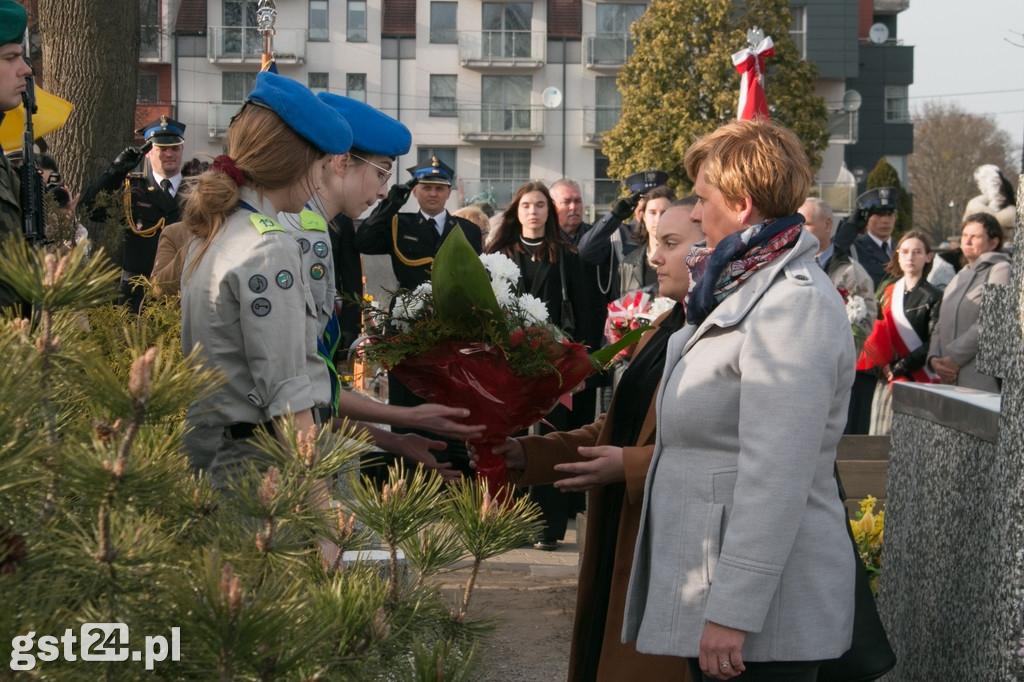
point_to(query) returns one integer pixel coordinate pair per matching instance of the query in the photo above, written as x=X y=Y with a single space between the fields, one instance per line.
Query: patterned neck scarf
x=716 y=273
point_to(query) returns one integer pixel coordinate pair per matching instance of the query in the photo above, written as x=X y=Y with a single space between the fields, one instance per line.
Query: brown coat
x=618 y=661
x=170 y=259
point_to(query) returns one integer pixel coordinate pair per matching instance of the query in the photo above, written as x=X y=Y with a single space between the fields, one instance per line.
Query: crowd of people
x=717 y=543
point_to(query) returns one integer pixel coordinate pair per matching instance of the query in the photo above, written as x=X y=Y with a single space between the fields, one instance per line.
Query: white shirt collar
x=439 y=220
x=175 y=181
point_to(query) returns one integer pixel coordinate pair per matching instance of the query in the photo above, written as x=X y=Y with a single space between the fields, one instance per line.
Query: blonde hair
x=270 y=156
x=759 y=158
x=475 y=215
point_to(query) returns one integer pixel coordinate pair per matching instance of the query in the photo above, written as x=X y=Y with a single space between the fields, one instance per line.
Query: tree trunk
x=91 y=59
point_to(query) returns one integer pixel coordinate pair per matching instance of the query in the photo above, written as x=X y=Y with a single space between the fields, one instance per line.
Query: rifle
x=33 y=220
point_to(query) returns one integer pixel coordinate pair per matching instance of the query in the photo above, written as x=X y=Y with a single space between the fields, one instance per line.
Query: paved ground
x=561 y=563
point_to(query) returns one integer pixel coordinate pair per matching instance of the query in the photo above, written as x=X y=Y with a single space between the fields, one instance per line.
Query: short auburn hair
x=759 y=158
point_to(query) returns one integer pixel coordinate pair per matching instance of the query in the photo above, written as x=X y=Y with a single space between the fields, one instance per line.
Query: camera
x=55 y=189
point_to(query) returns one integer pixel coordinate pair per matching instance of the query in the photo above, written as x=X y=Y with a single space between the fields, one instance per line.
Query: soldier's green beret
x=13 y=19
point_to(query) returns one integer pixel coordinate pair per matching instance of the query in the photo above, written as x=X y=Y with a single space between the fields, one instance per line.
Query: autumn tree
x=884 y=175
x=680 y=83
x=949 y=144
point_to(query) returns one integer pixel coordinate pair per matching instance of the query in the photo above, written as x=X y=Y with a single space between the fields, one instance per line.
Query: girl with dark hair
x=636 y=272
x=550 y=269
x=898 y=343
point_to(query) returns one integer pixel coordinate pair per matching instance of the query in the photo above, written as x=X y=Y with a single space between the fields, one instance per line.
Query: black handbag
x=870 y=655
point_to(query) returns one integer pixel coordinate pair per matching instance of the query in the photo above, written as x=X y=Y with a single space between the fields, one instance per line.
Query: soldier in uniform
x=412 y=240
x=13 y=70
x=152 y=199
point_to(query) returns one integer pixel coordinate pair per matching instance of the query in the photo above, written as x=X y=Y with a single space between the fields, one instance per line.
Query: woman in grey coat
x=743 y=563
x=954 y=343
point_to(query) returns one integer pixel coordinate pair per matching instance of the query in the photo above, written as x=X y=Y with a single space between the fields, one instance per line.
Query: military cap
x=649 y=179
x=13 y=19
x=433 y=172
x=878 y=200
x=373 y=131
x=317 y=123
x=163 y=132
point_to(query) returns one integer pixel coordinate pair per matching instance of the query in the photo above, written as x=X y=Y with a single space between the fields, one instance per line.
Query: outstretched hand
x=511 y=450
x=442 y=420
x=602 y=466
x=418 y=448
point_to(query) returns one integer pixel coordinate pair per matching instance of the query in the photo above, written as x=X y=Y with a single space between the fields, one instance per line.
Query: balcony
x=842 y=126
x=502 y=49
x=502 y=123
x=218 y=117
x=891 y=6
x=238 y=45
x=497 y=192
x=606 y=50
x=597 y=121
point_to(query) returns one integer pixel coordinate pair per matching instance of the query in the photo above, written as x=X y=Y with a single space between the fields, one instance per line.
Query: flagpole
x=266 y=15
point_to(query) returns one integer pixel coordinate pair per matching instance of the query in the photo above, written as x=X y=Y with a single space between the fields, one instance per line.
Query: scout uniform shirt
x=249 y=307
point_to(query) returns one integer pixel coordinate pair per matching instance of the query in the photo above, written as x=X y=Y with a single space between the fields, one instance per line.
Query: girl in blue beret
x=244 y=301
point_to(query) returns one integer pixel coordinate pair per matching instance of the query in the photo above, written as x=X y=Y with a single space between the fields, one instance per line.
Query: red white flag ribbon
x=750 y=63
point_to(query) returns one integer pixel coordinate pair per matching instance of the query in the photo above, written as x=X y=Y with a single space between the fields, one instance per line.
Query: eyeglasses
x=383 y=174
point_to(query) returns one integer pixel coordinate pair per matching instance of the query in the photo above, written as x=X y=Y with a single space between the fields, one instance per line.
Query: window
x=149 y=13
x=505 y=105
x=442 y=22
x=355 y=86
x=612 y=43
x=798 y=29
x=609 y=104
x=356 y=25
x=502 y=171
x=506 y=29
x=606 y=191
x=235 y=85
x=897 y=109
x=443 y=154
x=241 y=35
x=442 y=95
x=318 y=21
x=149 y=87
x=318 y=81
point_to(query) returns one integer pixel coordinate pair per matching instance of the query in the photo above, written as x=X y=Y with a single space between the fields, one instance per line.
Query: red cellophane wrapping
x=477 y=376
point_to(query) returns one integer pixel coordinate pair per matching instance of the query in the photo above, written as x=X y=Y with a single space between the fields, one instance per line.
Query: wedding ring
x=725 y=664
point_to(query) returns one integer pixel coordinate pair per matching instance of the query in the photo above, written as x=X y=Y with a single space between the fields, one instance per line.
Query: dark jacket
x=871 y=257
x=411 y=240
x=151 y=210
x=921 y=308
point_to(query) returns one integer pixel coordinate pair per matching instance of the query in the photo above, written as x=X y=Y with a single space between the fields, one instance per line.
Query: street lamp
x=952 y=215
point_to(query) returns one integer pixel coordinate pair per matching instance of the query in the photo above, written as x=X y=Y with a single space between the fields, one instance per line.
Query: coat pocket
x=713 y=541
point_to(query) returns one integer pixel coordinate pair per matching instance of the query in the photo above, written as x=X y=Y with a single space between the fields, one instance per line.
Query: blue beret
x=373 y=131
x=320 y=125
x=878 y=200
x=13 y=19
x=164 y=132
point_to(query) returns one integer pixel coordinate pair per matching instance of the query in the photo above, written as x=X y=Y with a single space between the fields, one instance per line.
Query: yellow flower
x=867 y=523
x=867 y=505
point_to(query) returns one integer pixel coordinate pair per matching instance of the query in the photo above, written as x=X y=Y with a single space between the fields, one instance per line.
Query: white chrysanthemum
x=502 y=291
x=533 y=308
x=505 y=298
x=856 y=309
x=660 y=305
x=423 y=290
x=500 y=267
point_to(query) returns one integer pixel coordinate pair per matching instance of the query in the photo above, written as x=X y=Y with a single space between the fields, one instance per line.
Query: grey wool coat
x=742 y=524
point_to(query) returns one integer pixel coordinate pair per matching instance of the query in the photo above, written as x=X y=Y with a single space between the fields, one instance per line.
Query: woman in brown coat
x=609 y=458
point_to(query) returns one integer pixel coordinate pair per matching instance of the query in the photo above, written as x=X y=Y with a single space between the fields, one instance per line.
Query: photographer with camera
x=154 y=198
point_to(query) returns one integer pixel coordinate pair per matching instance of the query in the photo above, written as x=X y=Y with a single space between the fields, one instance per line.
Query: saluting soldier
x=152 y=199
x=412 y=239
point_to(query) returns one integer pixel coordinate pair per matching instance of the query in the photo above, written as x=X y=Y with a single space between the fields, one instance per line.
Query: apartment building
x=501 y=91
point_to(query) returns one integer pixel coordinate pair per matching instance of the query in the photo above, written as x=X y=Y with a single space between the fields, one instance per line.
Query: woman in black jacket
x=551 y=270
x=898 y=344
